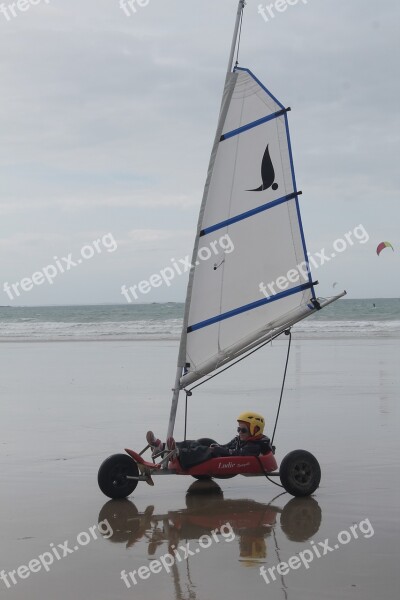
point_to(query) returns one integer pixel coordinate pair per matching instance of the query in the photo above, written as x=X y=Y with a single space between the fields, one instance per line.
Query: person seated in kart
x=250 y=441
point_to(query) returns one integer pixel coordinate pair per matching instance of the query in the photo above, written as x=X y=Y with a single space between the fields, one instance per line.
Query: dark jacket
x=250 y=447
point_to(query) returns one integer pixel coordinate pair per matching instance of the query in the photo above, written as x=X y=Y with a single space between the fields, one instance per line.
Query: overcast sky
x=107 y=122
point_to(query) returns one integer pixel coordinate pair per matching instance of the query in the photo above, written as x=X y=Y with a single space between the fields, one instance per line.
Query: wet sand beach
x=66 y=406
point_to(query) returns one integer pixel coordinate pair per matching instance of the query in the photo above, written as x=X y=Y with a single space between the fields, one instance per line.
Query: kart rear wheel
x=112 y=476
x=300 y=473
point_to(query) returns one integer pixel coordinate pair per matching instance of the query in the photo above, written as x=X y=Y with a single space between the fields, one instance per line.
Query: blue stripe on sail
x=247 y=307
x=248 y=213
x=303 y=240
x=253 y=124
x=261 y=85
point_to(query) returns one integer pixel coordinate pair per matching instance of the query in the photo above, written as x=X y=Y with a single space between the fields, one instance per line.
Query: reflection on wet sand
x=206 y=510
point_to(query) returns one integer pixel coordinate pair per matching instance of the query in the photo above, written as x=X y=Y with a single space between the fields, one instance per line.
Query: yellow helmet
x=253 y=419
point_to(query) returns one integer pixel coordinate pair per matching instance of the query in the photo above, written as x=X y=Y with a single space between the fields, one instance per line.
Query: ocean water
x=345 y=317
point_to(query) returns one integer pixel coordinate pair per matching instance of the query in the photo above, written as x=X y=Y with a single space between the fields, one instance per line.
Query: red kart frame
x=215 y=467
x=119 y=474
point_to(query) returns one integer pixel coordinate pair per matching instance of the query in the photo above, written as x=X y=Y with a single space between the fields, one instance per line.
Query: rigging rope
x=186 y=407
x=289 y=333
x=189 y=392
x=271 y=339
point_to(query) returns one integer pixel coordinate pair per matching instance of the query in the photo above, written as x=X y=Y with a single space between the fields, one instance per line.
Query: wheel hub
x=302 y=473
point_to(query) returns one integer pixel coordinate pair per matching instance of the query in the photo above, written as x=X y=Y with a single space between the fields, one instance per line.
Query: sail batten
x=267 y=333
x=247 y=214
x=230 y=134
x=247 y=307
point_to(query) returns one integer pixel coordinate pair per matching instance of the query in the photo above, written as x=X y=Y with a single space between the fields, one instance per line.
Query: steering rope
x=190 y=392
x=289 y=333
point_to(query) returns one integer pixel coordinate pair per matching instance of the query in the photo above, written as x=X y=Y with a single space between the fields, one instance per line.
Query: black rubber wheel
x=112 y=476
x=300 y=473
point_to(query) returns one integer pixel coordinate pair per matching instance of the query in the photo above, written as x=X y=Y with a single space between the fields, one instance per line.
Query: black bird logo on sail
x=267 y=173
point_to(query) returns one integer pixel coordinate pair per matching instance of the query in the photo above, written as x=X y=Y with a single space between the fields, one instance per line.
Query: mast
x=182 y=346
x=241 y=6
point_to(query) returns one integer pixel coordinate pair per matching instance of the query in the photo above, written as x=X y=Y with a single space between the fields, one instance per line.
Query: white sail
x=251 y=201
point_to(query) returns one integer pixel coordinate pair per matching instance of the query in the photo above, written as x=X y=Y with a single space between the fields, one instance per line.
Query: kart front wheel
x=112 y=476
x=300 y=473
